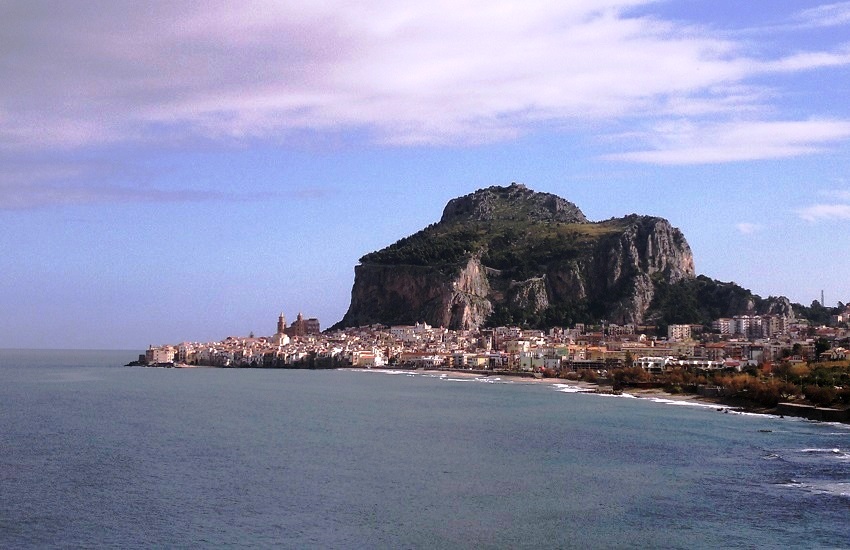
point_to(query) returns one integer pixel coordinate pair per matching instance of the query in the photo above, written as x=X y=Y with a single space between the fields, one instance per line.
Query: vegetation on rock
x=702 y=300
x=542 y=264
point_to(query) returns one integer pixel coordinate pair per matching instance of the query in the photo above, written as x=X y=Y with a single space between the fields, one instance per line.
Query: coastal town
x=734 y=344
x=767 y=363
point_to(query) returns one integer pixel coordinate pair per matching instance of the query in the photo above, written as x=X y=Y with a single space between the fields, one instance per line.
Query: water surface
x=96 y=454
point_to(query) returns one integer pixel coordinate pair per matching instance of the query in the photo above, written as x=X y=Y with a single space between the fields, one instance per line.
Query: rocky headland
x=510 y=255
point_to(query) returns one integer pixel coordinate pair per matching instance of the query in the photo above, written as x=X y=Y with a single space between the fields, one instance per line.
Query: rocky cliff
x=505 y=255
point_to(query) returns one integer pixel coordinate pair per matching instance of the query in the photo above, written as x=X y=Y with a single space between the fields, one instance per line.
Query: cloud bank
x=82 y=74
x=27 y=197
x=89 y=75
x=685 y=142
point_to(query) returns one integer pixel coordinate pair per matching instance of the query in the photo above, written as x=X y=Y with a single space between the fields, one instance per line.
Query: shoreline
x=720 y=404
x=726 y=405
x=580 y=386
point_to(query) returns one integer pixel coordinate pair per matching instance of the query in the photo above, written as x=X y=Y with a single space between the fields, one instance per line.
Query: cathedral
x=299 y=328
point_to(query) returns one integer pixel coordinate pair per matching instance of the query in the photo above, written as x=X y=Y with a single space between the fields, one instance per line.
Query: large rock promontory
x=506 y=255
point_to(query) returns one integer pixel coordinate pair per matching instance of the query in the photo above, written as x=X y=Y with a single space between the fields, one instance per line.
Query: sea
x=97 y=455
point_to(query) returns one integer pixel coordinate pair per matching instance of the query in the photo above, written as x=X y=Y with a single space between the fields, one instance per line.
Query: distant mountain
x=510 y=255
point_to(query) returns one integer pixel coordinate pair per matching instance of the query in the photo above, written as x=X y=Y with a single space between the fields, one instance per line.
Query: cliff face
x=509 y=255
x=407 y=294
x=649 y=250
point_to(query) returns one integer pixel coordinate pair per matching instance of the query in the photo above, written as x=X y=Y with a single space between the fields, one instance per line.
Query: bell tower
x=281 y=324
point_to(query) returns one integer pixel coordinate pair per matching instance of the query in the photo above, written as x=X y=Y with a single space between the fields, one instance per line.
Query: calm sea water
x=95 y=454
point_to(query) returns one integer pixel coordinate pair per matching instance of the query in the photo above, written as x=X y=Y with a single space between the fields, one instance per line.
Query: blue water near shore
x=93 y=454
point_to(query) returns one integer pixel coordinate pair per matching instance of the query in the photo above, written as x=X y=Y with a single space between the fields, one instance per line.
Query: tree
x=820 y=395
x=821 y=345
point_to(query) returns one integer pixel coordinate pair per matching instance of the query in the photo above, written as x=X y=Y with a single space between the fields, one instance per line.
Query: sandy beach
x=590 y=387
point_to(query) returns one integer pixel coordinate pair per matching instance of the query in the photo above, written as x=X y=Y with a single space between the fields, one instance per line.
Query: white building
x=723 y=326
x=679 y=332
x=164 y=354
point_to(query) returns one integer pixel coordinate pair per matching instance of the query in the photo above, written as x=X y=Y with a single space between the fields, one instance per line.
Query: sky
x=185 y=171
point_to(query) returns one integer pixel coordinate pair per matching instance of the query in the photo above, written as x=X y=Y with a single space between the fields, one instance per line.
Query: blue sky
x=187 y=170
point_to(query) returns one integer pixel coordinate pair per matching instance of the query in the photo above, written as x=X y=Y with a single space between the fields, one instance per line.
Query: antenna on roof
x=821 y=298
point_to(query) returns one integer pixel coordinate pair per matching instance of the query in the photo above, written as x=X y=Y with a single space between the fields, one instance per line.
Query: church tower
x=281 y=338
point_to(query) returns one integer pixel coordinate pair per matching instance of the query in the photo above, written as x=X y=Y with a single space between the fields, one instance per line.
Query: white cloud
x=431 y=73
x=25 y=197
x=686 y=142
x=837 y=194
x=407 y=72
x=808 y=61
x=747 y=228
x=820 y=212
x=827 y=15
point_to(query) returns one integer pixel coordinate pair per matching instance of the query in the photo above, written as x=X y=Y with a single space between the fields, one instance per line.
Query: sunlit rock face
x=510 y=255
